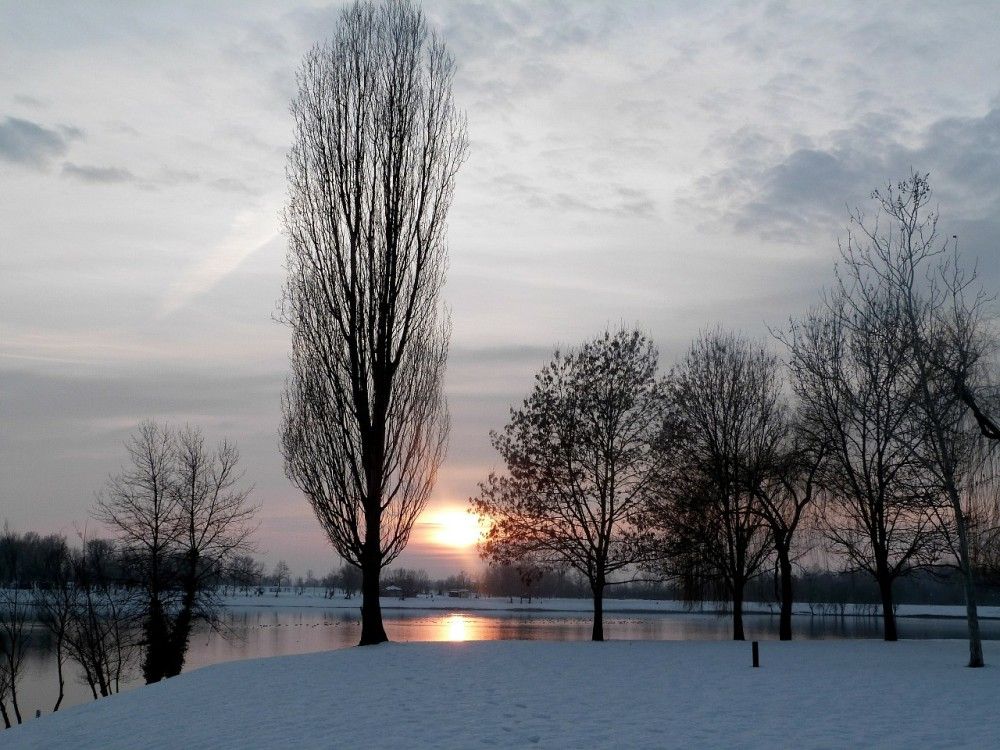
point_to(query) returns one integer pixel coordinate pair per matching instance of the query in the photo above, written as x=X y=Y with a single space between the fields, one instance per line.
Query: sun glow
x=454 y=528
x=456 y=628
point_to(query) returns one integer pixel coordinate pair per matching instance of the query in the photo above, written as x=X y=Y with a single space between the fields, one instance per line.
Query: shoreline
x=487 y=605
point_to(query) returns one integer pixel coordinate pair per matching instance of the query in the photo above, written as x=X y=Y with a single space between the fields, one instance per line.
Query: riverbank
x=555 y=695
x=313 y=598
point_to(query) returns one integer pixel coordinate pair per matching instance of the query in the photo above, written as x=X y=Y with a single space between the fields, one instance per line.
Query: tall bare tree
x=179 y=516
x=216 y=522
x=899 y=253
x=785 y=477
x=849 y=360
x=584 y=455
x=140 y=505
x=728 y=392
x=371 y=173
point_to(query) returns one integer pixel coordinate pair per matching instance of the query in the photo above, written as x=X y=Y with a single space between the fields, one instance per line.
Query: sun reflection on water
x=456 y=628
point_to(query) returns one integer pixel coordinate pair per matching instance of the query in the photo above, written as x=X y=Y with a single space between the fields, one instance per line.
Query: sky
x=671 y=165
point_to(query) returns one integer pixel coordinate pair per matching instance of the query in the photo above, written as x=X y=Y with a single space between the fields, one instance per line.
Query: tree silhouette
x=371 y=172
x=583 y=456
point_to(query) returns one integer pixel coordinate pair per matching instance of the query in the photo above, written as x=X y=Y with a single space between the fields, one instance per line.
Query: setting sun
x=454 y=528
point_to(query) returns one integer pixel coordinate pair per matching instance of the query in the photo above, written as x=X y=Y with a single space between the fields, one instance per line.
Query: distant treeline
x=32 y=561
x=29 y=560
x=942 y=586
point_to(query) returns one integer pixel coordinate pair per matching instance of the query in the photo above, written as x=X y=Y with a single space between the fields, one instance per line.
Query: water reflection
x=456 y=628
x=259 y=632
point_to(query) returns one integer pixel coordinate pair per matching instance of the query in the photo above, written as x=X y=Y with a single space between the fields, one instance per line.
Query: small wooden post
x=756 y=655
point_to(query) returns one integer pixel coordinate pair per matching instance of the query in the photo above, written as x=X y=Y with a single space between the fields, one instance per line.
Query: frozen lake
x=266 y=630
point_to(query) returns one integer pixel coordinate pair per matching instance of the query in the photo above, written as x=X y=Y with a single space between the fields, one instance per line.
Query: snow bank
x=555 y=695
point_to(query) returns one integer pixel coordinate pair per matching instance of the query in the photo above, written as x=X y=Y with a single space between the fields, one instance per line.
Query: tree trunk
x=59 y=672
x=181 y=632
x=969 y=584
x=103 y=682
x=785 y=618
x=972 y=616
x=153 y=667
x=738 y=613
x=372 y=630
x=13 y=701
x=6 y=716
x=177 y=651
x=597 y=587
x=91 y=681
x=888 y=613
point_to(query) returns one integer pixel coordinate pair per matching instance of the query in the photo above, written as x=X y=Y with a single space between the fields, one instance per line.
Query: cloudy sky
x=660 y=163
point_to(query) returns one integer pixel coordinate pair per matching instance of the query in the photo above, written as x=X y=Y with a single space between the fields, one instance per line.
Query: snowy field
x=315 y=598
x=827 y=694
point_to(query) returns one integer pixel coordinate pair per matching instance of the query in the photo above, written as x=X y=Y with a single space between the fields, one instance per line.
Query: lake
x=276 y=631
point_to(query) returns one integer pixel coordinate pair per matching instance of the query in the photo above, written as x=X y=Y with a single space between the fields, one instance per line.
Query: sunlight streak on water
x=456 y=628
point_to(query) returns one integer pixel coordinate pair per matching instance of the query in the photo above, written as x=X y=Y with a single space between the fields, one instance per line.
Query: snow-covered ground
x=315 y=598
x=558 y=695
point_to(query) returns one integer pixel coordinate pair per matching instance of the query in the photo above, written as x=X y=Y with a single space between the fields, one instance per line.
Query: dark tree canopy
x=583 y=456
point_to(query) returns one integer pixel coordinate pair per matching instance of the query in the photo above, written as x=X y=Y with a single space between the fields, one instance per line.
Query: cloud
x=232 y=185
x=789 y=190
x=250 y=231
x=70 y=132
x=601 y=199
x=587 y=120
x=165 y=177
x=171 y=176
x=621 y=201
x=64 y=429
x=91 y=399
x=29 y=101
x=100 y=175
x=29 y=144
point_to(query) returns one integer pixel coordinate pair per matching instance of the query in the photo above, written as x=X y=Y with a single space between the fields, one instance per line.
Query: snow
x=556 y=695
